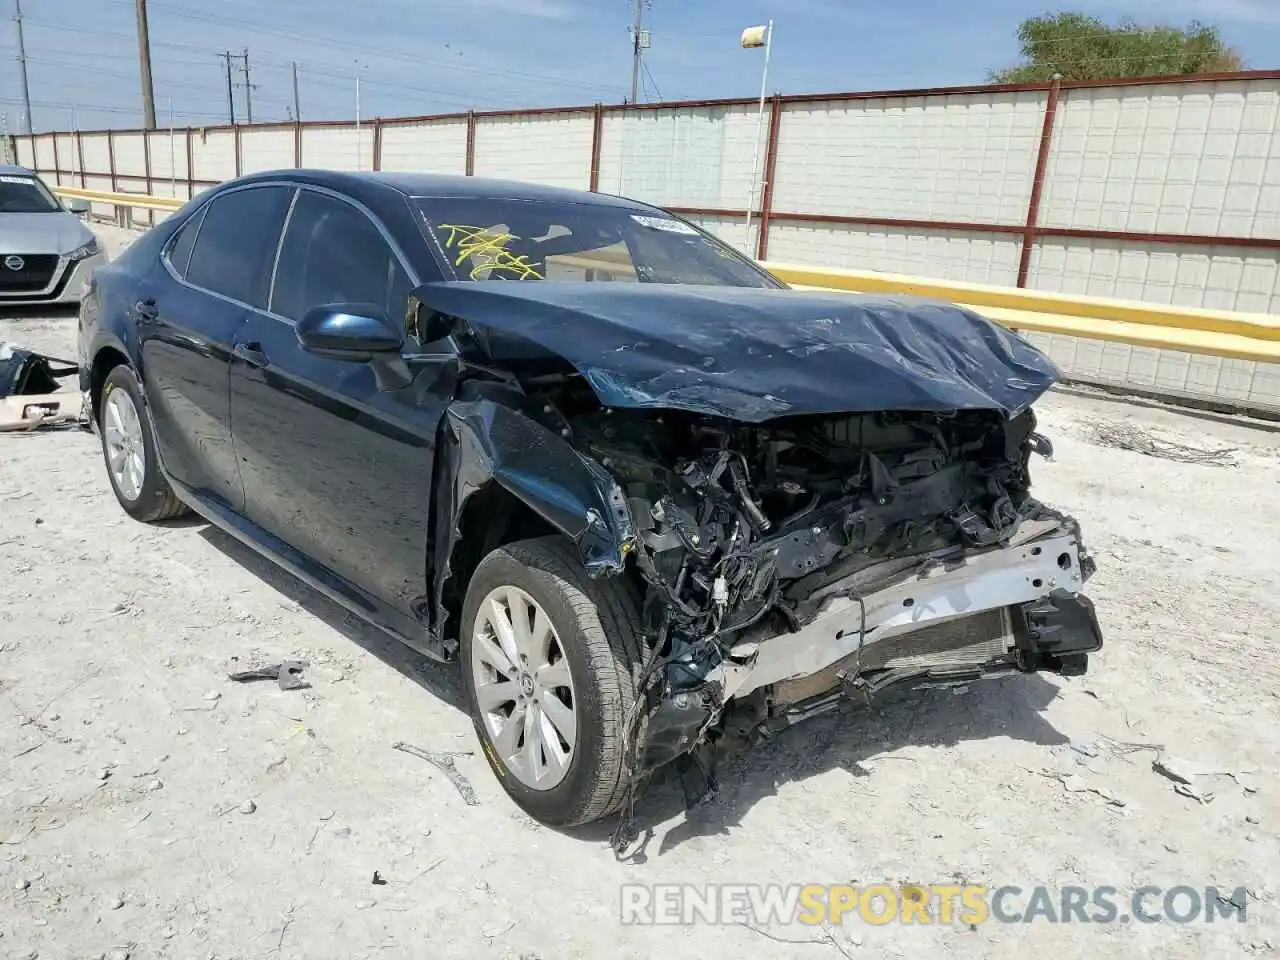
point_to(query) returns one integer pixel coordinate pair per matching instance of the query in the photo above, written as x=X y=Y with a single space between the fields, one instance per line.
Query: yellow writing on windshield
x=486 y=248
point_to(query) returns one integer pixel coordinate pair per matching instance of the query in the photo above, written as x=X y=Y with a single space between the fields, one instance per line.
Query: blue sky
x=428 y=56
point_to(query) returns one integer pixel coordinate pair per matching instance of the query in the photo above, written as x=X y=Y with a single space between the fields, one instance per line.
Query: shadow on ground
x=438 y=679
x=846 y=739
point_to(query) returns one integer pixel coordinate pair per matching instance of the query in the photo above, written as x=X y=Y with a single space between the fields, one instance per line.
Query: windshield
x=26 y=195
x=487 y=238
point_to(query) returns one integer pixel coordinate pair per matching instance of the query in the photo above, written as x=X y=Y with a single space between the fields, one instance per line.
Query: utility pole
x=248 y=87
x=635 y=51
x=144 y=58
x=22 y=62
x=231 y=96
x=297 y=109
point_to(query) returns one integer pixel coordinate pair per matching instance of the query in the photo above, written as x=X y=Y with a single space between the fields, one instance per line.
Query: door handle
x=146 y=310
x=250 y=353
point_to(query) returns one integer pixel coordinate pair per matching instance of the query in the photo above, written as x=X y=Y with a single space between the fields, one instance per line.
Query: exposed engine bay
x=747 y=533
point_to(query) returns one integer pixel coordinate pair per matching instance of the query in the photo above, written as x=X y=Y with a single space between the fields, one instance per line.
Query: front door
x=334 y=467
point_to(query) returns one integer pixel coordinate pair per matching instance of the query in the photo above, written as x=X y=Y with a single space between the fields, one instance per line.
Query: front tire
x=129 y=451
x=550 y=660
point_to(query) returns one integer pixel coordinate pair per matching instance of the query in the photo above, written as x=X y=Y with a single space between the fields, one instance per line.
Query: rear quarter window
x=179 y=253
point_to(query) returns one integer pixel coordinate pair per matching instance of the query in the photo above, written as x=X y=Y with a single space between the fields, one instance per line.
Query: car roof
x=13 y=170
x=364 y=184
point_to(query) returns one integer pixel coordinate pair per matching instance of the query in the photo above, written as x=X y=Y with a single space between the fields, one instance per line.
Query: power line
x=382 y=53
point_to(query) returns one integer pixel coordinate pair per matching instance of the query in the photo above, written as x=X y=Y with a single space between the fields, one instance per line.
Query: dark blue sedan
x=630 y=481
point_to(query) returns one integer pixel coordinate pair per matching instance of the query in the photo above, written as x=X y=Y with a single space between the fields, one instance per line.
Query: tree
x=1081 y=47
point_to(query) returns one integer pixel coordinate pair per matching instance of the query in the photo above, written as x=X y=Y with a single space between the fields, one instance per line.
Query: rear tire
x=595 y=628
x=129 y=451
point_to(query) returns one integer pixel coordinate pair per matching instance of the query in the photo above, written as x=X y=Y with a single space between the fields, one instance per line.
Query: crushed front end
x=792 y=563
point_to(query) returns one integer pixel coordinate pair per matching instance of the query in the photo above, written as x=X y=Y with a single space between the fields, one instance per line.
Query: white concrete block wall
x=266 y=149
x=213 y=155
x=168 y=157
x=951 y=255
x=732 y=231
x=338 y=147
x=68 y=158
x=1167 y=372
x=553 y=149
x=1224 y=278
x=25 y=150
x=102 y=183
x=1195 y=158
x=1219 y=277
x=425 y=146
x=131 y=158
x=958 y=158
x=698 y=157
x=43 y=155
x=97 y=157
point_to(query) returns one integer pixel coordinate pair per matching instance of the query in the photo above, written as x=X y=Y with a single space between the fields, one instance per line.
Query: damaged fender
x=486 y=438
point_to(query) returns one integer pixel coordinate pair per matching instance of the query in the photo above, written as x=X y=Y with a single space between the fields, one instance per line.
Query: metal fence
x=1160 y=190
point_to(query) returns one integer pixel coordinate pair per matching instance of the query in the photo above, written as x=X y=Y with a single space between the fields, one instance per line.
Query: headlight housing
x=85 y=250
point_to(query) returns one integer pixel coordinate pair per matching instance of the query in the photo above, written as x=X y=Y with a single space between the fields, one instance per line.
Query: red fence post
x=80 y=157
x=597 y=132
x=146 y=167
x=191 y=165
x=770 y=169
x=111 y=160
x=471 y=143
x=1037 y=184
x=57 y=164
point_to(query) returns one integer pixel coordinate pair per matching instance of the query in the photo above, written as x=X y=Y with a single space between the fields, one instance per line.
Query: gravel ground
x=148 y=806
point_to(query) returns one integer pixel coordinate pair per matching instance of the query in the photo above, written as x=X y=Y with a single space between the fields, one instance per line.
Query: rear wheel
x=550 y=660
x=128 y=447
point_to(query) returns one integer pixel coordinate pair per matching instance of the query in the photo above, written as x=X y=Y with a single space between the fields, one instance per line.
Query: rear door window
x=236 y=245
x=334 y=254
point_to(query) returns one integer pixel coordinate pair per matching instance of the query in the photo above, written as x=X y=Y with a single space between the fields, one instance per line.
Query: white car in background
x=46 y=253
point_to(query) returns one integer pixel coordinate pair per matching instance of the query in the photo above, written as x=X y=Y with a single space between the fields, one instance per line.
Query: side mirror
x=351 y=331
x=76 y=205
x=427 y=325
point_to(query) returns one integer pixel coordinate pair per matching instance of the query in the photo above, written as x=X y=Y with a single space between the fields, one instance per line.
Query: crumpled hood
x=756 y=354
x=41 y=233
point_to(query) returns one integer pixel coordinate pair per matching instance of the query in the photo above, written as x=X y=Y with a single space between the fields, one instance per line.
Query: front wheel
x=550 y=660
x=129 y=449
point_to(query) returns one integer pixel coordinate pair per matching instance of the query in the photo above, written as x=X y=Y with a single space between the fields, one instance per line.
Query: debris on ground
x=1184 y=773
x=248 y=807
x=444 y=762
x=1074 y=783
x=1127 y=436
x=287 y=673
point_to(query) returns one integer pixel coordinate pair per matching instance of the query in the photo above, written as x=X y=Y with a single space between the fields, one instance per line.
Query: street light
x=753 y=38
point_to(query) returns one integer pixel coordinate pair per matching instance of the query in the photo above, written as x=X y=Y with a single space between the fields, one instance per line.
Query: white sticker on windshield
x=27 y=180
x=664 y=223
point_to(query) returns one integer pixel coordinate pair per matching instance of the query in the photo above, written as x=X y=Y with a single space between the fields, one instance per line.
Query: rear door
x=216 y=270
x=333 y=466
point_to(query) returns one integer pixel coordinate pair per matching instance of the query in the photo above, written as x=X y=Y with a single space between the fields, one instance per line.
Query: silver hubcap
x=524 y=688
x=126 y=457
